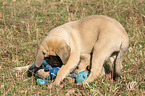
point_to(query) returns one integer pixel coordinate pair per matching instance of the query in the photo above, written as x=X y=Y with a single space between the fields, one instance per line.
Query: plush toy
x=53 y=72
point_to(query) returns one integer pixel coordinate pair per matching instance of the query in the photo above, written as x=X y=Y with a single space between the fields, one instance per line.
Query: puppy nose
x=46 y=55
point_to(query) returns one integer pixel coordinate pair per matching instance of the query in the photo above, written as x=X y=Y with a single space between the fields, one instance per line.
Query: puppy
x=91 y=40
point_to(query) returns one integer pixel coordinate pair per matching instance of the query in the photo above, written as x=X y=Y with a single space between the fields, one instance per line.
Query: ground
x=24 y=23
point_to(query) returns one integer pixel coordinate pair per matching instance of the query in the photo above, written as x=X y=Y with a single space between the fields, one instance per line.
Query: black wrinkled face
x=54 y=61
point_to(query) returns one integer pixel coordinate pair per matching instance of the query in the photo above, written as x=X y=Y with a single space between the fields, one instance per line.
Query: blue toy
x=80 y=77
x=53 y=72
x=41 y=81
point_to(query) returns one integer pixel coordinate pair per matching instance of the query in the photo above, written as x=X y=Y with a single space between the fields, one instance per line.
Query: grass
x=24 y=23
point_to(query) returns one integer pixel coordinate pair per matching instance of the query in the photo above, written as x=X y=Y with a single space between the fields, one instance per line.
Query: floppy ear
x=39 y=58
x=63 y=52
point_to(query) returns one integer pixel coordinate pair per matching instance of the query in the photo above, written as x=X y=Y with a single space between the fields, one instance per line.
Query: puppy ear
x=39 y=58
x=63 y=52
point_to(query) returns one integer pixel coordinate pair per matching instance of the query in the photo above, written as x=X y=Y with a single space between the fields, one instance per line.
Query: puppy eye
x=43 y=53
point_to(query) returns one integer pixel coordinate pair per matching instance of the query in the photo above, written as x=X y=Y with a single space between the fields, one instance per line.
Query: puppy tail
x=119 y=59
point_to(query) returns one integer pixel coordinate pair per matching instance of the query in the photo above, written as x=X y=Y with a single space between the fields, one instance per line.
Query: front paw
x=41 y=73
x=32 y=70
x=55 y=83
x=19 y=69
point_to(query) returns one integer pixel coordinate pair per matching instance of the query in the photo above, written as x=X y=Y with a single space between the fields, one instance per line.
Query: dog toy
x=80 y=77
x=53 y=72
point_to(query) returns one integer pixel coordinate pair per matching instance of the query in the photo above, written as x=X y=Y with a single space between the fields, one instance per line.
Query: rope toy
x=53 y=72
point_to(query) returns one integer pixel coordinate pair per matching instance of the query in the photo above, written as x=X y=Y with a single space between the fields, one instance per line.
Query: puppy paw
x=41 y=73
x=19 y=69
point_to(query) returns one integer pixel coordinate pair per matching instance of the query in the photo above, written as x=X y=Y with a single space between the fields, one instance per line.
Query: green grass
x=24 y=23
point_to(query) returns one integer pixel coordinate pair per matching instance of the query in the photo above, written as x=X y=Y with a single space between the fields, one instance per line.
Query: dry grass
x=24 y=23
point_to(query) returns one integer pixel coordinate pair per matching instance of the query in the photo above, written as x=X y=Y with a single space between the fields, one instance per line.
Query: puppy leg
x=67 y=68
x=84 y=62
x=31 y=69
x=101 y=52
x=109 y=64
x=118 y=64
x=20 y=69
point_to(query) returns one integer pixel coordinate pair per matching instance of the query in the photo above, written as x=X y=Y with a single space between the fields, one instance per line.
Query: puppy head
x=55 y=47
